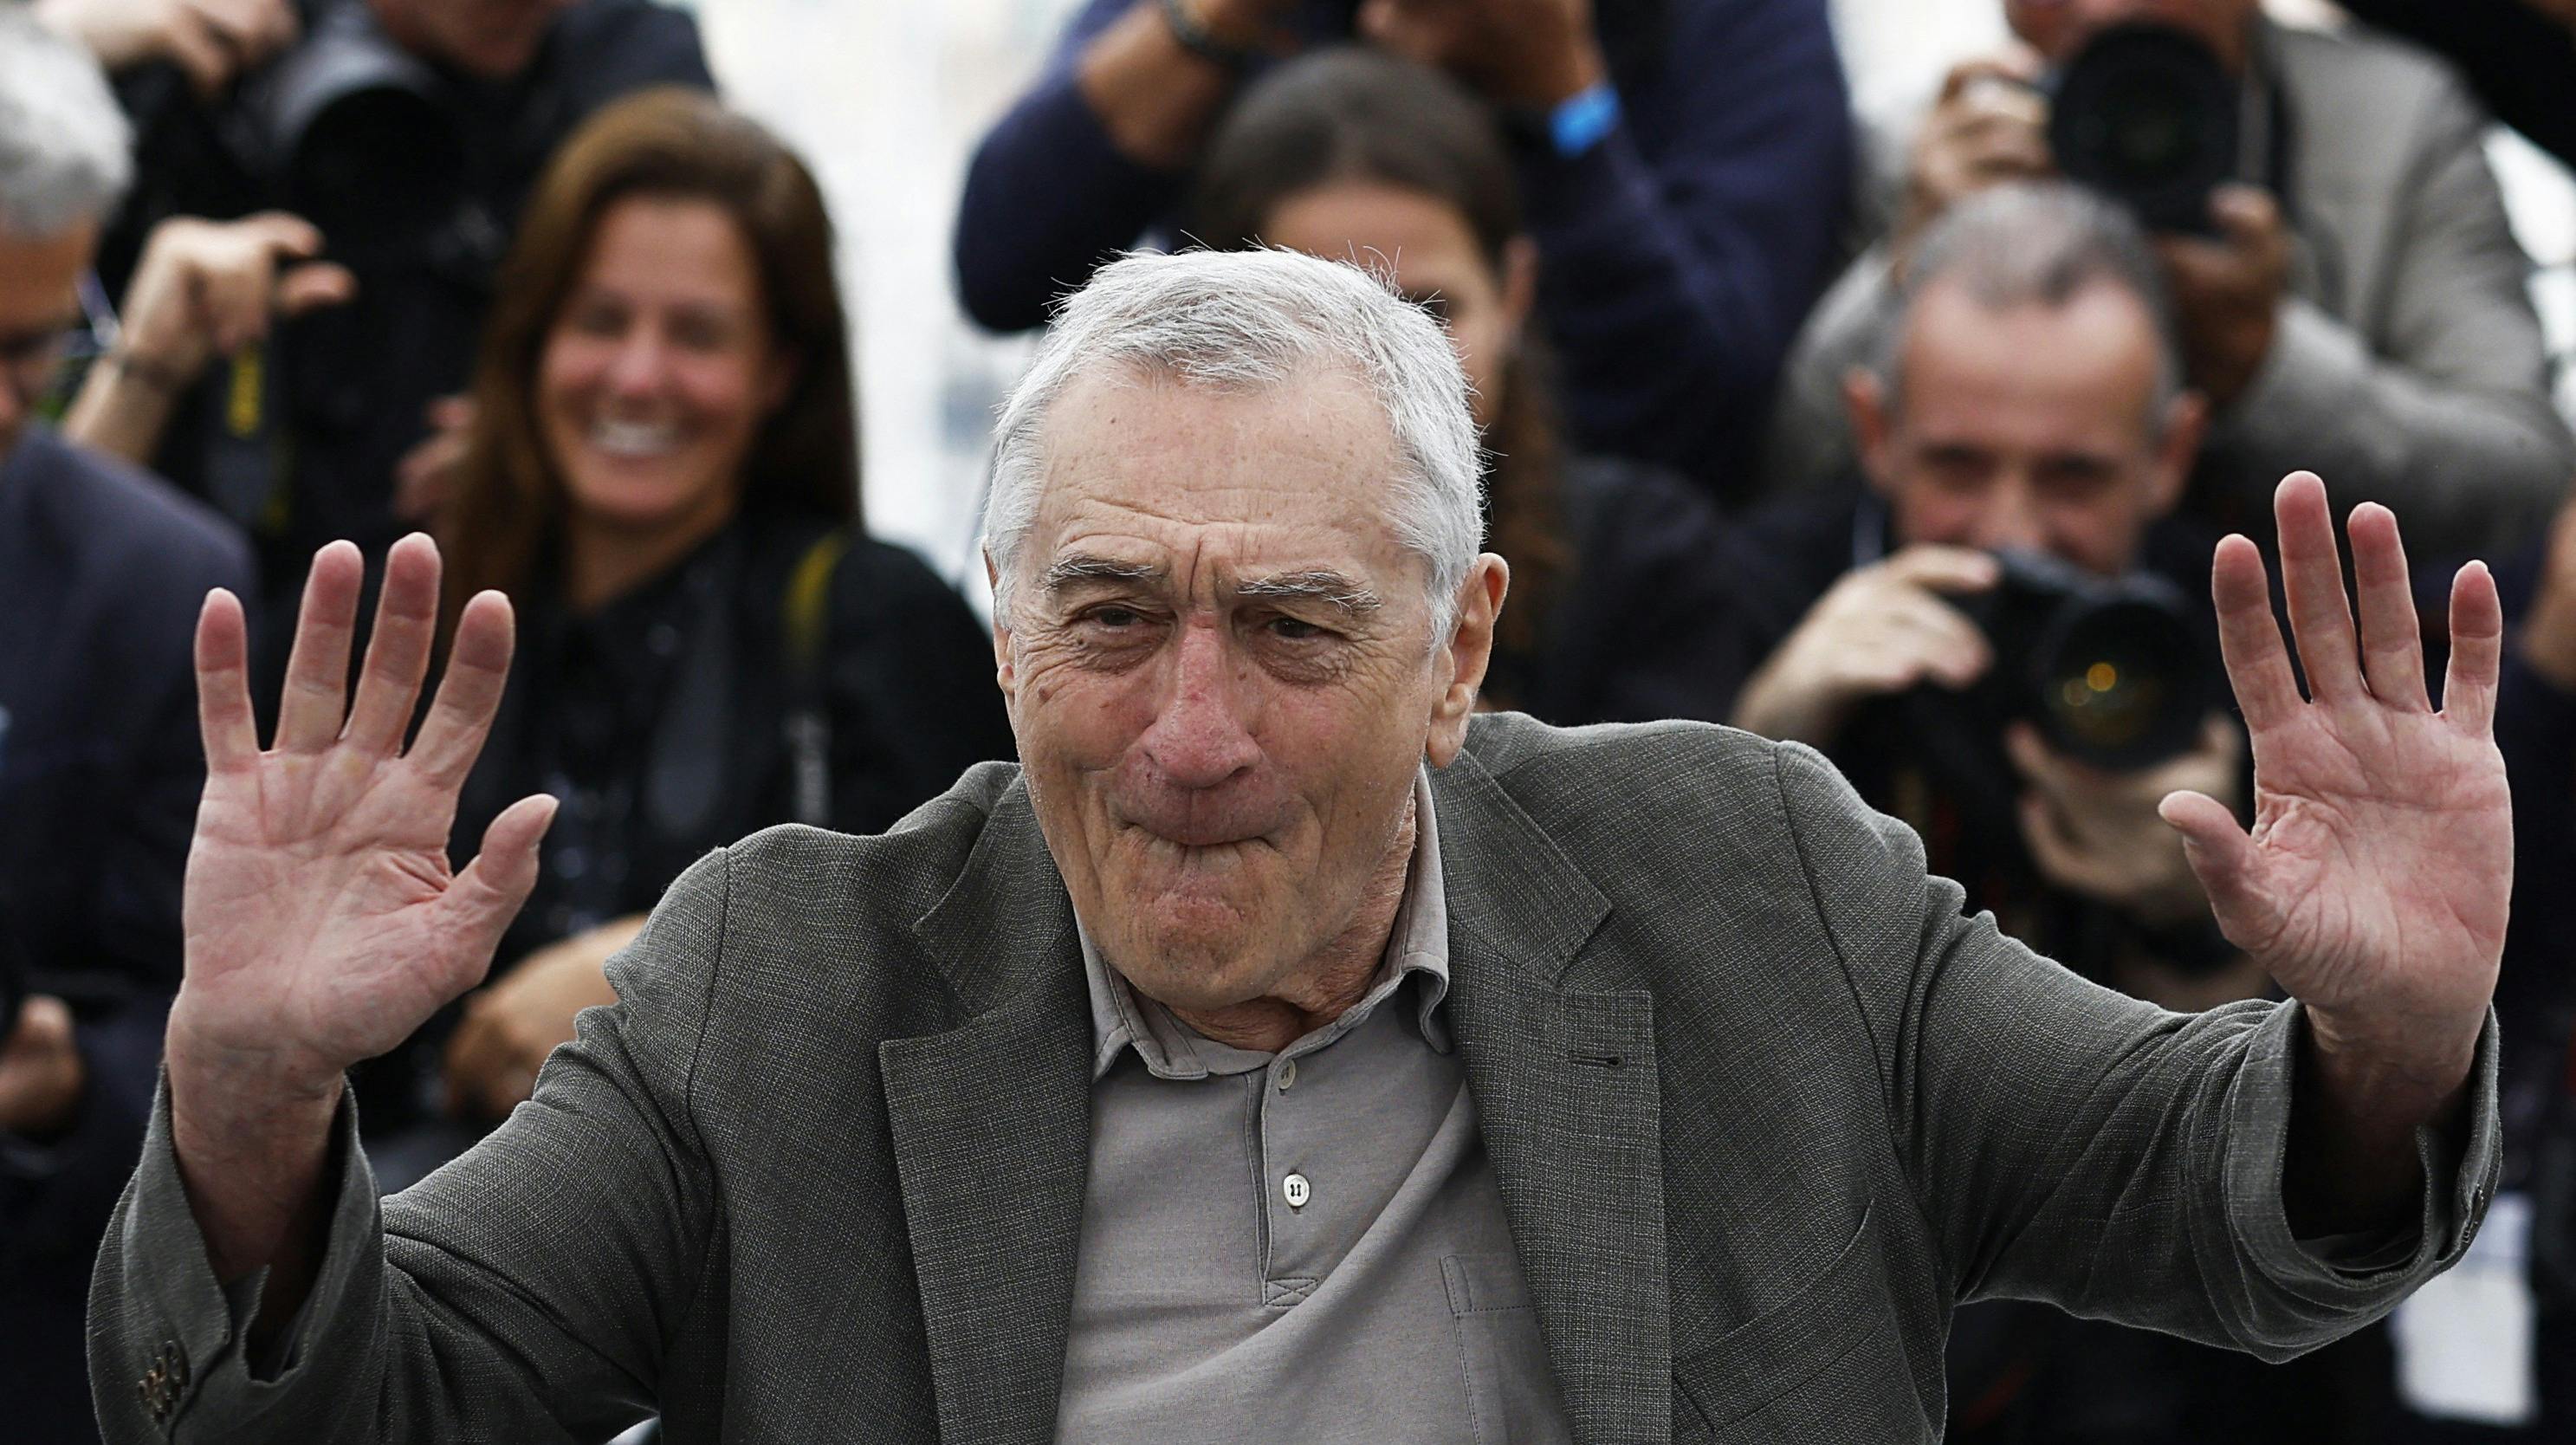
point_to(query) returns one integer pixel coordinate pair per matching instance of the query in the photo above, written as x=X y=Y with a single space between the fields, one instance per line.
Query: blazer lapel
x=1564 y=1080
x=992 y=1136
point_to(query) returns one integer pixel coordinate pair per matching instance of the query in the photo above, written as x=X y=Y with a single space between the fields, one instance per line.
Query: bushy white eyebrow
x=1317 y=585
x=1064 y=572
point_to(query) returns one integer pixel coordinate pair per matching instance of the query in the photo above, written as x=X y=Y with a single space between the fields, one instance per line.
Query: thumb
x=288 y=234
x=487 y=895
x=2224 y=859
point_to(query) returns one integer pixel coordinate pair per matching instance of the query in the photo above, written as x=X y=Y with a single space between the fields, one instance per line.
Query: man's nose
x=1200 y=735
x=2011 y=521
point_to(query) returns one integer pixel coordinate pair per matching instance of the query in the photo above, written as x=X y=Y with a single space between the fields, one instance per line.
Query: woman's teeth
x=631 y=439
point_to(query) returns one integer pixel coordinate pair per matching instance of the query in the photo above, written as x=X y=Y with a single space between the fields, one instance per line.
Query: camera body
x=2111 y=670
x=2146 y=115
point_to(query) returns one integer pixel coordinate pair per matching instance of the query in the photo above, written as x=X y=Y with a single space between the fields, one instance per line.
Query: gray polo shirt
x=1308 y=1244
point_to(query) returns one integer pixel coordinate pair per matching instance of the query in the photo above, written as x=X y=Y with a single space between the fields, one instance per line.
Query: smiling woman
x=662 y=474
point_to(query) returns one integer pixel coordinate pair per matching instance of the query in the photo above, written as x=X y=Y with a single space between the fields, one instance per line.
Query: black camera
x=2146 y=115
x=2111 y=670
x=360 y=137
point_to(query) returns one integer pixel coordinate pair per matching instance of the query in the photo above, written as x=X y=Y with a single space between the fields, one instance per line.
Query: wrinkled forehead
x=1210 y=484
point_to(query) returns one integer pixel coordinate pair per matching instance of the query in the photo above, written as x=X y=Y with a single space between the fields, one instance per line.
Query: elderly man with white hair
x=101 y=572
x=1282 y=1049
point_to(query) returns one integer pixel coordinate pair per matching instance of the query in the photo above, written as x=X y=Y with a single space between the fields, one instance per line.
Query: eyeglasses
x=45 y=367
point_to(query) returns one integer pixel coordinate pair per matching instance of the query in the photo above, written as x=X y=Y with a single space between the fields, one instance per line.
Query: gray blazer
x=2409 y=368
x=1763 y=1107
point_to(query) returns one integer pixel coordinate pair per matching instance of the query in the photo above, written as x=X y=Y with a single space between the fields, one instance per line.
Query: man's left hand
x=2374 y=884
x=41 y=1075
x=2227 y=292
x=2097 y=833
x=1519 y=52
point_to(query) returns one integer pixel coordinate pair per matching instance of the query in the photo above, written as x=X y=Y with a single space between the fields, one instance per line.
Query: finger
x=224 y=716
x=2015 y=67
x=314 y=286
x=205 y=59
x=398 y=652
x=317 y=671
x=2477 y=650
x=2249 y=639
x=450 y=413
x=2312 y=577
x=234 y=300
x=2061 y=859
x=2392 y=642
x=2030 y=758
x=487 y=895
x=478 y=667
x=1945 y=569
x=2224 y=859
x=1944 y=644
x=283 y=234
x=2246 y=215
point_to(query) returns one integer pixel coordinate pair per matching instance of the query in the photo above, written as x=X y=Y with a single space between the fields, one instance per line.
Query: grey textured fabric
x=1203 y=1296
x=2409 y=368
x=1762 y=1106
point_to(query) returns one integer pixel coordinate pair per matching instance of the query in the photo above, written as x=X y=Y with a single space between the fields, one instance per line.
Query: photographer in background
x=2025 y=435
x=2350 y=295
x=102 y=570
x=1686 y=166
x=307 y=258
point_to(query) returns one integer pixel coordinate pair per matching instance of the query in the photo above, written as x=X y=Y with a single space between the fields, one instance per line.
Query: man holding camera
x=2349 y=292
x=342 y=172
x=100 y=571
x=2025 y=436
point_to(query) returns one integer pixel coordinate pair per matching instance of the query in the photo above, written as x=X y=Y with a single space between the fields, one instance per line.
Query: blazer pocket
x=1511 y=1395
x=1824 y=1320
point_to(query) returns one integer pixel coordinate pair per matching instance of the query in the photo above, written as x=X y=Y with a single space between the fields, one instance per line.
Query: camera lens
x=2120 y=682
x=2146 y=115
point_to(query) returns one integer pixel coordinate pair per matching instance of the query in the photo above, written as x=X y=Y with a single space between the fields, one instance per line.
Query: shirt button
x=1287 y=1074
x=1296 y=1190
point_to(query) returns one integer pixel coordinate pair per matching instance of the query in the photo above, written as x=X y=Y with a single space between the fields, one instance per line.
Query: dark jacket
x=1641 y=627
x=1680 y=254
x=102 y=571
x=1761 y=1104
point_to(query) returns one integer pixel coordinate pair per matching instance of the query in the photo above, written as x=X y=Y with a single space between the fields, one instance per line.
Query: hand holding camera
x=2227 y=290
x=1882 y=629
x=213 y=41
x=1989 y=125
x=1519 y=52
x=2096 y=831
x=209 y=288
x=41 y=1075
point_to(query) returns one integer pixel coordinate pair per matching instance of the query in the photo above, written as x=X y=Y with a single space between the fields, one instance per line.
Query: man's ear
x=2186 y=423
x=1002 y=672
x=1470 y=650
x=1865 y=399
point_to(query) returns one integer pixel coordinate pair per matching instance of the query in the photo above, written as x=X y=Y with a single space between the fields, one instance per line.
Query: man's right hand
x=322 y=924
x=214 y=41
x=1882 y=629
x=1989 y=125
x=205 y=289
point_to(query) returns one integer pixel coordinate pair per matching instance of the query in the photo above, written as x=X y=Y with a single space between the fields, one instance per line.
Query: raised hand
x=2373 y=886
x=322 y=923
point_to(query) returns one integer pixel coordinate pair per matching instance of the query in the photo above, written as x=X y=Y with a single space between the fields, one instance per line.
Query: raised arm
x=2263 y=1176
x=251 y=1289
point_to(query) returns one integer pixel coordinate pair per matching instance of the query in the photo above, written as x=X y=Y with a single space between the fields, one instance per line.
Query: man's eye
x=1295 y=630
x=1116 y=617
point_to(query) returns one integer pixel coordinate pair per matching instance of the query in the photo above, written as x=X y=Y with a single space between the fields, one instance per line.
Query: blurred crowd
x=1921 y=470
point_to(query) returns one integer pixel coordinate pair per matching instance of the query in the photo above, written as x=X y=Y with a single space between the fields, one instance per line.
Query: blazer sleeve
x=2442 y=411
x=524 y=1292
x=2069 y=1144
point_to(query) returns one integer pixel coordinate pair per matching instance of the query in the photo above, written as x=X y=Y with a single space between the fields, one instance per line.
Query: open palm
x=2374 y=883
x=322 y=923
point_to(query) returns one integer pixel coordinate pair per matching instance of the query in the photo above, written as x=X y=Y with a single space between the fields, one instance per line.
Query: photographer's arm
x=203 y=289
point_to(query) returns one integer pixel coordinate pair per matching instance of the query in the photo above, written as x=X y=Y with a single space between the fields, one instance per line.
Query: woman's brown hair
x=672 y=144
x=1359 y=114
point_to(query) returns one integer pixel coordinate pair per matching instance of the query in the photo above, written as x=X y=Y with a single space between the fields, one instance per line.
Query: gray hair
x=2034 y=244
x=64 y=146
x=1246 y=320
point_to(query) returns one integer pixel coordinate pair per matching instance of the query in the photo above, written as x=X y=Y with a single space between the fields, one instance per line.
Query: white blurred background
x=886 y=98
